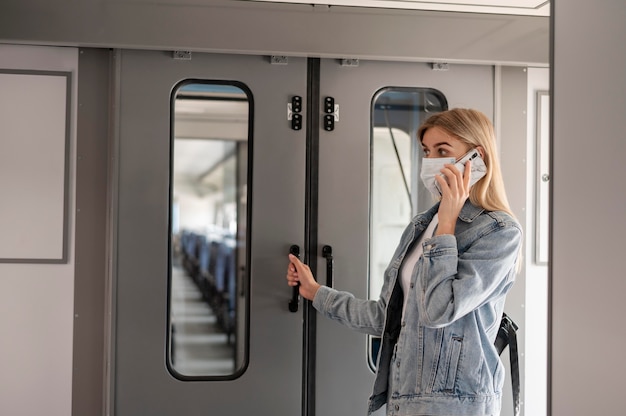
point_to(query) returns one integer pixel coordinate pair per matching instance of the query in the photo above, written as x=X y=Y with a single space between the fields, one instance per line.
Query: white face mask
x=431 y=167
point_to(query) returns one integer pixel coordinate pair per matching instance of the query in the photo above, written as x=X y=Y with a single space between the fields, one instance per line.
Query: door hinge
x=279 y=60
x=182 y=55
x=349 y=62
x=439 y=66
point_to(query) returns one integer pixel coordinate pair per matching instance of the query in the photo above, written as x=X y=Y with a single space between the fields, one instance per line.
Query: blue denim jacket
x=444 y=360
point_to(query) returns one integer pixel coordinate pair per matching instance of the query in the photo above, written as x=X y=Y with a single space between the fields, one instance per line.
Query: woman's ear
x=481 y=151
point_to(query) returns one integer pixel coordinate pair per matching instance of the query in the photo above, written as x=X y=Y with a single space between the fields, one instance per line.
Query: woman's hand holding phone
x=454 y=184
x=478 y=167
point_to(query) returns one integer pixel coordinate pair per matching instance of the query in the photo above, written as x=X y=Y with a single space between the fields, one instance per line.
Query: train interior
x=209 y=303
x=175 y=169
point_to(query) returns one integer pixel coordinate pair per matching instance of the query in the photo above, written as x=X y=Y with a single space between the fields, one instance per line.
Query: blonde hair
x=475 y=129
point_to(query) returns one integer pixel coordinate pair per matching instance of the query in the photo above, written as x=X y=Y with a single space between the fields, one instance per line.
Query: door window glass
x=208 y=223
x=397 y=193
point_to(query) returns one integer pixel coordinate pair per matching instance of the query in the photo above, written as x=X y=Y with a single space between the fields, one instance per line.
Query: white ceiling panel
x=513 y=7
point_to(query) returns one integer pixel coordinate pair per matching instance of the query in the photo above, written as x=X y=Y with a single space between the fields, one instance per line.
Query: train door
x=369 y=189
x=209 y=190
x=363 y=171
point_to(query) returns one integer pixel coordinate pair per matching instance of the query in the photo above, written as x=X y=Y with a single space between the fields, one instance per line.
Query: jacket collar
x=470 y=212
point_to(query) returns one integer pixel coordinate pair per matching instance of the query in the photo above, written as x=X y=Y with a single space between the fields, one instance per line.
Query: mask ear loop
x=481 y=151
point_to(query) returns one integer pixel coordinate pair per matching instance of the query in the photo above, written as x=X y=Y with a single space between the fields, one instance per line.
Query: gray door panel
x=271 y=382
x=344 y=378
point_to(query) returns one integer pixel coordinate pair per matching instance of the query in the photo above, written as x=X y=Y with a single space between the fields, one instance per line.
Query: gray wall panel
x=91 y=252
x=588 y=204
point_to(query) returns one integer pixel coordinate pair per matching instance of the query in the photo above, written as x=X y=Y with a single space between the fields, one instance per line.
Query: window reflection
x=397 y=193
x=208 y=230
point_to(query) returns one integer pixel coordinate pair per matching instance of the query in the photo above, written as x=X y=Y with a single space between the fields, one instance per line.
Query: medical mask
x=431 y=167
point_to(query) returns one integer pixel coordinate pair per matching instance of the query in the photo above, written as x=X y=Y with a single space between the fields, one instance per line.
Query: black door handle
x=327 y=252
x=295 y=297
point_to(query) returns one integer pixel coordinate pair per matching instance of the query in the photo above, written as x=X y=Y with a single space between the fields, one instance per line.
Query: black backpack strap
x=507 y=335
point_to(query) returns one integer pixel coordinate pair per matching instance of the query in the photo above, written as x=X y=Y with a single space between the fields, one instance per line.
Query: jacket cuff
x=321 y=296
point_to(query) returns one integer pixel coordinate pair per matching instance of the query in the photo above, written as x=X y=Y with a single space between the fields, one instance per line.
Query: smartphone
x=479 y=169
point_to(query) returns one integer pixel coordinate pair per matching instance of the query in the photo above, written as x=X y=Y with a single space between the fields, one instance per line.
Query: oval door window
x=397 y=193
x=208 y=223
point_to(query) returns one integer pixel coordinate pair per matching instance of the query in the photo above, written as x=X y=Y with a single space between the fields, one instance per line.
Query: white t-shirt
x=411 y=258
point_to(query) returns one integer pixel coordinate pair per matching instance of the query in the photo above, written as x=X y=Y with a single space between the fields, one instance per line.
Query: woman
x=444 y=290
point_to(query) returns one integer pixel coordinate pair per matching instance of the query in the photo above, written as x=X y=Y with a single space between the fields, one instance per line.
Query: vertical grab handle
x=327 y=252
x=295 y=297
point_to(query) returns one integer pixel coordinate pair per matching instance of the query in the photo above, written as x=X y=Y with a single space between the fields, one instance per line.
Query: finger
x=443 y=184
x=300 y=267
x=292 y=272
x=450 y=171
x=301 y=271
x=453 y=176
x=452 y=167
x=292 y=279
x=295 y=263
x=294 y=259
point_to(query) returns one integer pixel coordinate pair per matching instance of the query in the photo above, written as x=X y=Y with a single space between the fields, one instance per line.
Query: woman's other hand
x=300 y=273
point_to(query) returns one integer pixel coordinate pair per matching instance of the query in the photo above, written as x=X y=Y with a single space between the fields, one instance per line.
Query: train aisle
x=199 y=347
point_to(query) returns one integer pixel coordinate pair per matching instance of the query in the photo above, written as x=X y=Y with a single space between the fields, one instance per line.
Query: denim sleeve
x=450 y=285
x=365 y=316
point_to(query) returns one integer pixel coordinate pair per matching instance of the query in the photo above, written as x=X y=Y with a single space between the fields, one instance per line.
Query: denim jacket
x=443 y=353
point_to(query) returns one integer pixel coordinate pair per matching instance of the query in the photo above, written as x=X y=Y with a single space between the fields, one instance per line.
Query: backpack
x=507 y=335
